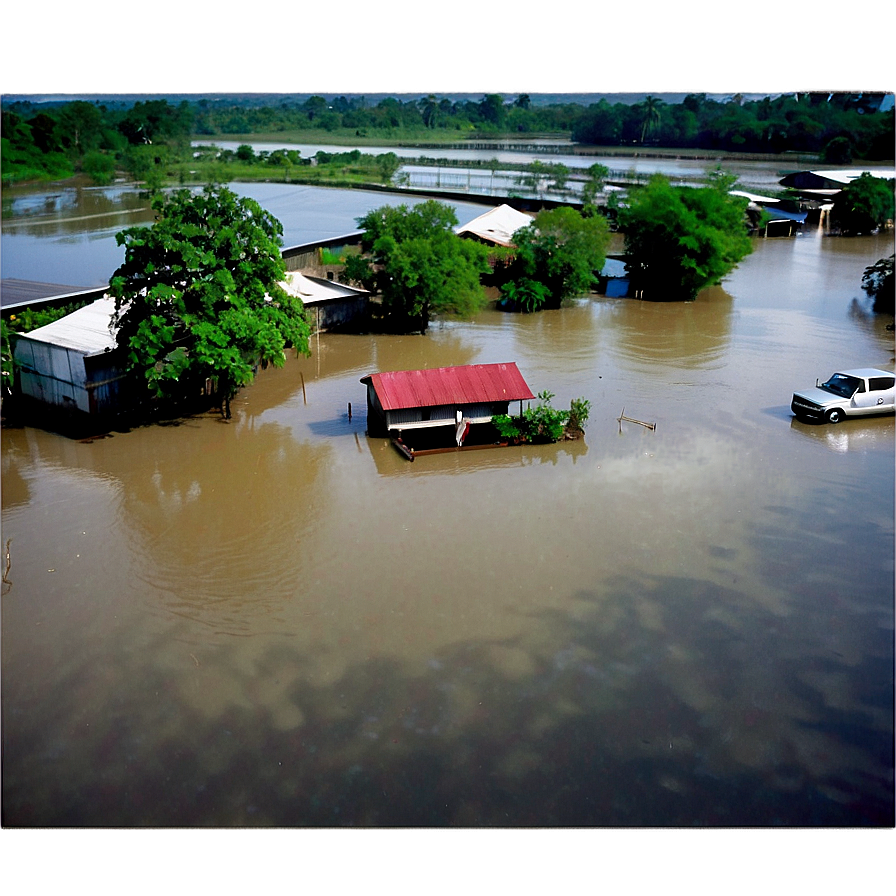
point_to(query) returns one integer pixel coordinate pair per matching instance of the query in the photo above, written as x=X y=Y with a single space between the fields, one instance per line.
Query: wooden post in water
x=349 y=412
x=304 y=396
x=621 y=417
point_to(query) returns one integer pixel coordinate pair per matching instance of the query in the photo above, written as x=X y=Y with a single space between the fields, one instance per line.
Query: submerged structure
x=331 y=305
x=496 y=227
x=73 y=366
x=446 y=405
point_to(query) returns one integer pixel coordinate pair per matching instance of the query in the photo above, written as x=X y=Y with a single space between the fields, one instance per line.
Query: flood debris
x=6 y=581
x=621 y=417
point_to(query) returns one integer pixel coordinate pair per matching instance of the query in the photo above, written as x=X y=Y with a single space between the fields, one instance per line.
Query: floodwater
x=752 y=172
x=66 y=235
x=278 y=621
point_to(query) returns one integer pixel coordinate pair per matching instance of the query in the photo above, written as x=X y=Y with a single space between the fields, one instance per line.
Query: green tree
x=650 y=115
x=99 y=167
x=597 y=178
x=429 y=109
x=387 y=163
x=877 y=281
x=493 y=111
x=80 y=126
x=681 y=239
x=557 y=257
x=245 y=153
x=198 y=296
x=422 y=267
x=146 y=164
x=600 y=124
x=863 y=205
x=837 y=151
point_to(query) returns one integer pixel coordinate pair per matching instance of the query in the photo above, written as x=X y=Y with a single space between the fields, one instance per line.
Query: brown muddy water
x=277 y=621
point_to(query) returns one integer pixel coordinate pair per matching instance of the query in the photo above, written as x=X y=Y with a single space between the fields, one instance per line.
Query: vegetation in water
x=418 y=265
x=543 y=423
x=863 y=205
x=877 y=281
x=199 y=298
x=679 y=240
x=557 y=257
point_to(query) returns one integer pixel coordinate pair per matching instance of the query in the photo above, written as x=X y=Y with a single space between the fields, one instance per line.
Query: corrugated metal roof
x=16 y=293
x=470 y=384
x=497 y=225
x=86 y=330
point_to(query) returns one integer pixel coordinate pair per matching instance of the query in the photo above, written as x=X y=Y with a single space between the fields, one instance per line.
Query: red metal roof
x=470 y=384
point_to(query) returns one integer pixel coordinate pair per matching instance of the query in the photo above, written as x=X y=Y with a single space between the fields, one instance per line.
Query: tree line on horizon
x=54 y=140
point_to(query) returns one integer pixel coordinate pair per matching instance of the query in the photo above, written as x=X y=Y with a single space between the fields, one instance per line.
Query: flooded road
x=279 y=621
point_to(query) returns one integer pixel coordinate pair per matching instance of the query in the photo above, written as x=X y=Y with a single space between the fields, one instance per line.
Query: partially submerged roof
x=496 y=226
x=470 y=384
x=753 y=197
x=16 y=293
x=828 y=179
x=87 y=330
x=315 y=289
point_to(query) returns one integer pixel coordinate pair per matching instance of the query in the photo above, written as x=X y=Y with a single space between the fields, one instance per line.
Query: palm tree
x=650 y=115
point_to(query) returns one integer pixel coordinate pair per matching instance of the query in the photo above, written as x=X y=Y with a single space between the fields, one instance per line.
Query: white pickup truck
x=849 y=393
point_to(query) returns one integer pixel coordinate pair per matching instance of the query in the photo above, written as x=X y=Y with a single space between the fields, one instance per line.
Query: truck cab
x=847 y=393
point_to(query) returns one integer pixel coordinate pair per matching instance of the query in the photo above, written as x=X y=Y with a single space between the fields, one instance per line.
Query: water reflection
x=390 y=463
x=689 y=335
x=604 y=714
x=852 y=436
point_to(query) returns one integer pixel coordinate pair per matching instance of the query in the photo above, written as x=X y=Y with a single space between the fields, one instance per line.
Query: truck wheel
x=835 y=416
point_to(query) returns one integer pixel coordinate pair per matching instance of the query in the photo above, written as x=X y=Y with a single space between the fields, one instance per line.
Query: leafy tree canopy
x=681 y=239
x=199 y=296
x=863 y=205
x=877 y=281
x=422 y=267
x=557 y=257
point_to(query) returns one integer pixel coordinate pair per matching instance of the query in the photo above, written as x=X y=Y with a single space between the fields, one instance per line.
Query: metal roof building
x=331 y=304
x=405 y=400
x=71 y=364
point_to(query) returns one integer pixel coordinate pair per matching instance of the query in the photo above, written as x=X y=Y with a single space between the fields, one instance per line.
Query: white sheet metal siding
x=53 y=375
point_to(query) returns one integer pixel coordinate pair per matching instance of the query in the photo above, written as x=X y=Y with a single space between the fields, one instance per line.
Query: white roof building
x=496 y=226
x=312 y=290
x=87 y=331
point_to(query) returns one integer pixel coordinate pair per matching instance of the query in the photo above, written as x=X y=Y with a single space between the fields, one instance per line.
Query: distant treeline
x=47 y=139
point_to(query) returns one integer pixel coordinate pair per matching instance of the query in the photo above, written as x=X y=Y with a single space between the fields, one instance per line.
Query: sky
x=398 y=46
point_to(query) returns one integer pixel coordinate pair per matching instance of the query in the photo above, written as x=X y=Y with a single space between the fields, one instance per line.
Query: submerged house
x=496 y=227
x=72 y=366
x=330 y=304
x=825 y=184
x=443 y=401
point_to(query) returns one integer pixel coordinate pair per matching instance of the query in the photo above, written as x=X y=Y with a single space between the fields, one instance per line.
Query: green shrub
x=506 y=427
x=579 y=409
x=542 y=423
